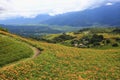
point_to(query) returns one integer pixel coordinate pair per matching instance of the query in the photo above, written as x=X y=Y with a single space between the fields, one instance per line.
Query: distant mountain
x=21 y=20
x=105 y=15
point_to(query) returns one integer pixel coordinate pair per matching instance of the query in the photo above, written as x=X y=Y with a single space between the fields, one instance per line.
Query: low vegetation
x=12 y=50
x=117 y=31
x=62 y=38
x=87 y=38
x=58 y=62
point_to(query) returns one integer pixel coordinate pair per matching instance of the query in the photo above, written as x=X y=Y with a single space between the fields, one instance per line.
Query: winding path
x=35 y=51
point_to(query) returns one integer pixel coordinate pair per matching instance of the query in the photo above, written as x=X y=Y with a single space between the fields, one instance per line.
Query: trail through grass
x=12 y=50
x=59 y=62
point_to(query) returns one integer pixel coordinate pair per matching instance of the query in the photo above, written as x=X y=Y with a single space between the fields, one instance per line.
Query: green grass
x=107 y=34
x=12 y=50
x=58 y=62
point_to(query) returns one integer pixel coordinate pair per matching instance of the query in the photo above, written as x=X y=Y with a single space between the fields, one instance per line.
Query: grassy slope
x=59 y=62
x=80 y=35
x=12 y=50
x=110 y=36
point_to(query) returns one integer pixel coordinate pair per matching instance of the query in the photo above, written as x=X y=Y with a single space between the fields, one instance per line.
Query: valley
x=33 y=30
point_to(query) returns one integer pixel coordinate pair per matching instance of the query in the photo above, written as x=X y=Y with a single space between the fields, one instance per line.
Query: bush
x=115 y=45
x=117 y=39
x=108 y=41
x=62 y=37
x=117 y=30
x=96 y=38
x=96 y=44
x=74 y=42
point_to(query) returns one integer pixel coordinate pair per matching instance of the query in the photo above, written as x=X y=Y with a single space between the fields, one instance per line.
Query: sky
x=33 y=8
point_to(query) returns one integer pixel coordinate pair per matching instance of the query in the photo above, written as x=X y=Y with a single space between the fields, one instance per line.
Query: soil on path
x=35 y=51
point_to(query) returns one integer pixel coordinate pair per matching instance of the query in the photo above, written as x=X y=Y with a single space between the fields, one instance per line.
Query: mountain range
x=104 y=15
x=22 y=20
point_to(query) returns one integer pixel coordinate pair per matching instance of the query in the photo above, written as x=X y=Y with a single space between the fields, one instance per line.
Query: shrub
x=115 y=45
x=96 y=44
x=108 y=41
x=74 y=42
x=117 y=30
x=62 y=37
x=117 y=39
x=96 y=38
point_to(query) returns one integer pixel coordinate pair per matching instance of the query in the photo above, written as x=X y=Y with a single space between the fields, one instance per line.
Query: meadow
x=12 y=50
x=58 y=62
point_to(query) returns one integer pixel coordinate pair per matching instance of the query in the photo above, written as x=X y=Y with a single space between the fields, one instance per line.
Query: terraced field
x=58 y=62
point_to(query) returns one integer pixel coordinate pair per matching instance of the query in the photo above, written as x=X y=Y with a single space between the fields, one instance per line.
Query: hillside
x=87 y=38
x=58 y=62
x=104 y=15
x=12 y=50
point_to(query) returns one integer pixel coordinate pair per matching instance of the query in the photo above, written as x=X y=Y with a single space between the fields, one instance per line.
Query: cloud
x=109 y=4
x=1 y=9
x=32 y=8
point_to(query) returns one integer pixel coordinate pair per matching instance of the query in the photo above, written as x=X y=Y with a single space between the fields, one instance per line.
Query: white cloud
x=32 y=8
x=109 y=4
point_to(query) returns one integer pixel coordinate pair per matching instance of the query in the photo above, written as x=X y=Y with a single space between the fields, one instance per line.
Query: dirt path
x=35 y=51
